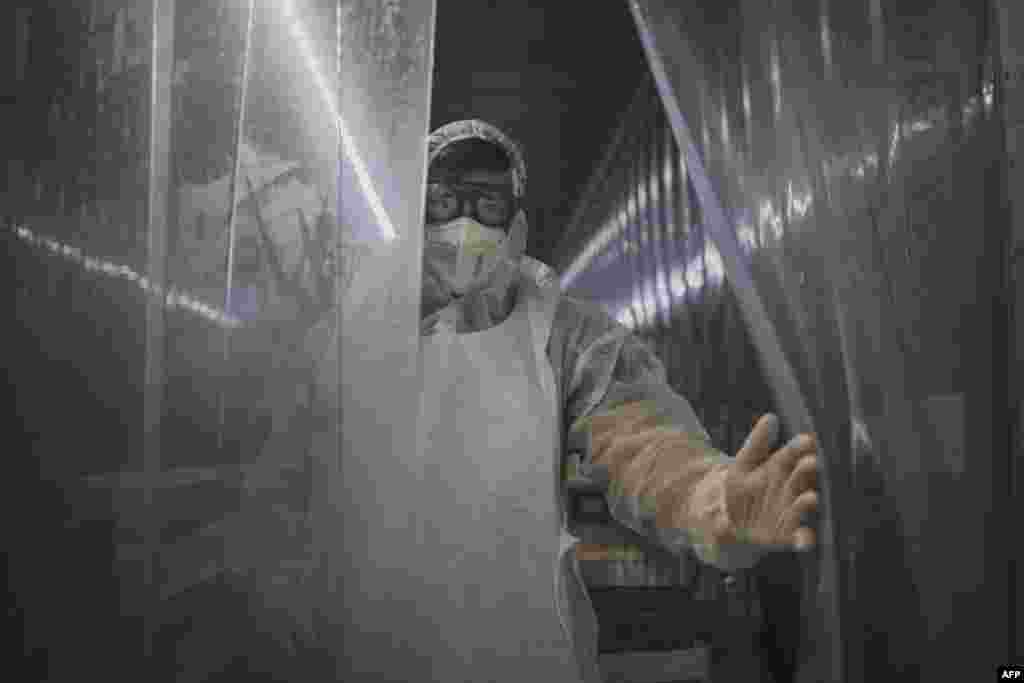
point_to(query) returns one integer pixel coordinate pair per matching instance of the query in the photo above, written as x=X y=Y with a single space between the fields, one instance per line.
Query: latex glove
x=768 y=492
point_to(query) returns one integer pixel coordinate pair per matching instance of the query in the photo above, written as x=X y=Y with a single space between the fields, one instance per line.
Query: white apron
x=500 y=582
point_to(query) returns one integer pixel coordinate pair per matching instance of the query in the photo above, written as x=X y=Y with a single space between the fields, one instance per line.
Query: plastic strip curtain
x=89 y=203
x=830 y=158
x=222 y=473
x=836 y=151
x=634 y=247
x=158 y=228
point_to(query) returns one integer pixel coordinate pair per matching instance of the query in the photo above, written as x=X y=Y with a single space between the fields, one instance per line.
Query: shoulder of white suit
x=539 y=274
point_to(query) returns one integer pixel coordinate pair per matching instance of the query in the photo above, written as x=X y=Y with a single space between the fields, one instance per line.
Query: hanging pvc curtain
x=215 y=213
x=634 y=246
x=837 y=151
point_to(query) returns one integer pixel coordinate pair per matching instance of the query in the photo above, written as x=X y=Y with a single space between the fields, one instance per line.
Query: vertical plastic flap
x=694 y=93
x=836 y=150
x=366 y=502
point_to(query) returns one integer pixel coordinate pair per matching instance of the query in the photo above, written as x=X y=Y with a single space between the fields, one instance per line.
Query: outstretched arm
x=666 y=480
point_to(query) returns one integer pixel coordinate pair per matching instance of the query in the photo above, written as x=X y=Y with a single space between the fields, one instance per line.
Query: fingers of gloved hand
x=788 y=518
x=803 y=478
x=789 y=455
x=758 y=446
x=804 y=539
x=805 y=504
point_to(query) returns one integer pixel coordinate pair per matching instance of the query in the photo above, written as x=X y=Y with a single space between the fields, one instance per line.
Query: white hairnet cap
x=470 y=129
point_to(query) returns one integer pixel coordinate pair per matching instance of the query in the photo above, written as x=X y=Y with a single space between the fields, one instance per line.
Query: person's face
x=497 y=184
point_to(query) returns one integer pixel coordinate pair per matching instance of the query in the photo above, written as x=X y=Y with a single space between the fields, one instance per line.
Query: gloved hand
x=768 y=492
x=731 y=509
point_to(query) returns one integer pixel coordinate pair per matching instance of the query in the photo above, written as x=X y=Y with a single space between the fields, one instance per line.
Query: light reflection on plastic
x=748 y=109
x=747 y=235
x=798 y=201
x=667 y=175
x=870 y=161
x=705 y=131
x=659 y=292
x=173 y=298
x=860 y=436
x=677 y=281
x=769 y=221
x=631 y=208
x=654 y=303
x=826 y=43
x=776 y=79
x=726 y=141
x=609 y=232
x=347 y=141
x=970 y=110
x=682 y=278
x=894 y=142
x=694 y=277
x=901 y=134
x=661 y=287
x=920 y=126
x=663 y=296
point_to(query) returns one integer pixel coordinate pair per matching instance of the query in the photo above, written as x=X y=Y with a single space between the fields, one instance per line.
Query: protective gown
x=613 y=406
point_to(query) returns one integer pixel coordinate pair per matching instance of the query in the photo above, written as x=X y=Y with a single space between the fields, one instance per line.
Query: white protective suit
x=512 y=370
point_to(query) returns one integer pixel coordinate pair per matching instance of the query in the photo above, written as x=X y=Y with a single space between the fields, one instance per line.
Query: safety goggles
x=491 y=206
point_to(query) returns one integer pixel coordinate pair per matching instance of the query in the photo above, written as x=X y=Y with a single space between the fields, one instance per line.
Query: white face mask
x=464 y=252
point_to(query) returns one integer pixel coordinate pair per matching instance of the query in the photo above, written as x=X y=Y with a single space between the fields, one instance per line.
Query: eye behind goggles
x=492 y=206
